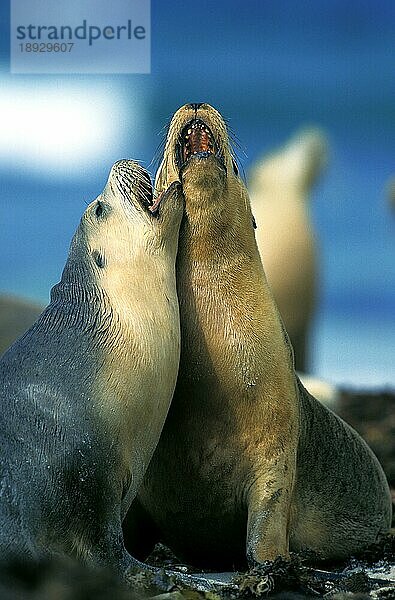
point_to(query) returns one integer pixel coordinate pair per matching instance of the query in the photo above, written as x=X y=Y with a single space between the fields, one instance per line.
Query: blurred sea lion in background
x=249 y=464
x=279 y=187
x=324 y=391
x=16 y=316
x=390 y=187
x=86 y=390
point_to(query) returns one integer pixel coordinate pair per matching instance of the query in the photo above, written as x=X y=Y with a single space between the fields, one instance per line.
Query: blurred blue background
x=270 y=67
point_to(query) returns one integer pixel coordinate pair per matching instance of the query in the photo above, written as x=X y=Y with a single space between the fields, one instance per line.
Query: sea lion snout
x=135 y=184
x=197 y=130
x=133 y=181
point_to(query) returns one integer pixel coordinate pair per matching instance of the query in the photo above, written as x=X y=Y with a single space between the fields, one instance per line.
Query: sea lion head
x=122 y=254
x=124 y=219
x=123 y=241
x=198 y=153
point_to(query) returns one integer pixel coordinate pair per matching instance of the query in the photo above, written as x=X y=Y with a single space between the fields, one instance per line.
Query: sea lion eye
x=235 y=169
x=99 y=209
x=99 y=259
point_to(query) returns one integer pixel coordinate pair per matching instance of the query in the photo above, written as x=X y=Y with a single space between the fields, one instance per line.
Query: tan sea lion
x=86 y=390
x=279 y=187
x=248 y=462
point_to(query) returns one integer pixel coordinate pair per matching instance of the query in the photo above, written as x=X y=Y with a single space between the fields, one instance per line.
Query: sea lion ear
x=254 y=222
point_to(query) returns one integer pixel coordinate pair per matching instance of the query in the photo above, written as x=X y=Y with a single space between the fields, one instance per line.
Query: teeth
x=197 y=138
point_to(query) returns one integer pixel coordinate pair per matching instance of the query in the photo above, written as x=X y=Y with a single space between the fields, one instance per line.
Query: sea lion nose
x=196 y=105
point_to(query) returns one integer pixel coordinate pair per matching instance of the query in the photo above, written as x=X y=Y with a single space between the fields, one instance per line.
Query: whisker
x=158 y=154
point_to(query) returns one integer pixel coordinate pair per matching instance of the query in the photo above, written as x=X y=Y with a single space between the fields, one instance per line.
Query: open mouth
x=196 y=139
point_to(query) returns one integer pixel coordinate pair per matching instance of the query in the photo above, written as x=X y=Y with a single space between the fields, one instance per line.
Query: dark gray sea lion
x=86 y=390
x=248 y=462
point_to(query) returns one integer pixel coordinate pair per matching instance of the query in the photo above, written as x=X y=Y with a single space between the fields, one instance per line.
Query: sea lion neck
x=217 y=221
x=78 y=301
x=77 y=305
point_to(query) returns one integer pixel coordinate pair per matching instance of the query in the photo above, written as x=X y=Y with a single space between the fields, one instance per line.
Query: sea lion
x=279 y=187
x=327 y=393
x=16 y=316
x=248 y=463
x=86 y=390
x=390 y=188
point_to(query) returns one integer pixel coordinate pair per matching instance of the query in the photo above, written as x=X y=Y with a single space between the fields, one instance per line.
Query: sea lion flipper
x=268 y=514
